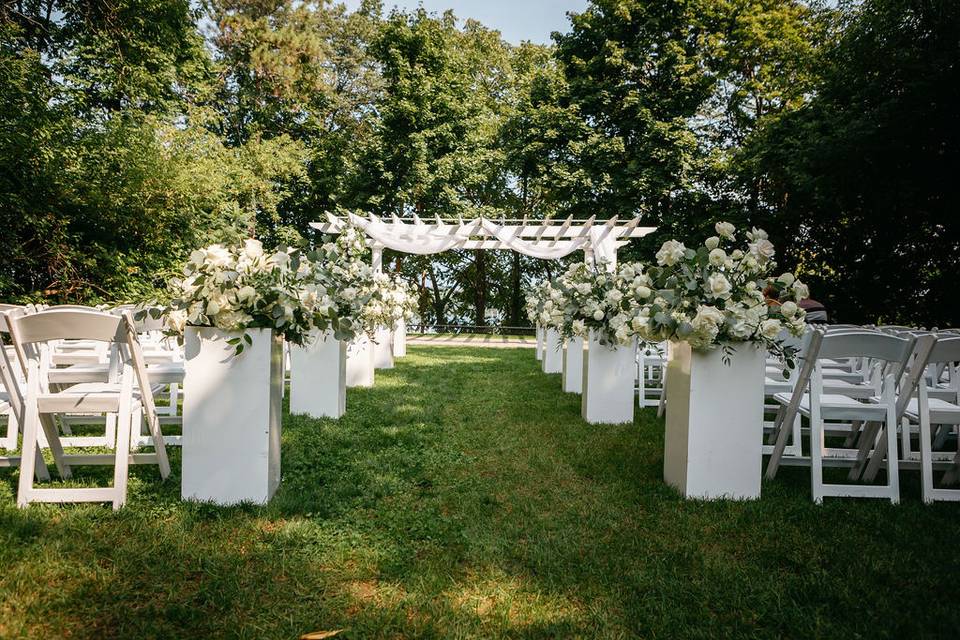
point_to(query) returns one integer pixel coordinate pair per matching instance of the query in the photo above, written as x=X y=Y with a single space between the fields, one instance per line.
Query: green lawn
x=463 y=497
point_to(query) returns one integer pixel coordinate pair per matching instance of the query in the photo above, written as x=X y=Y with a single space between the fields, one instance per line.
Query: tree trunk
x=480 y=288
x=516 y=297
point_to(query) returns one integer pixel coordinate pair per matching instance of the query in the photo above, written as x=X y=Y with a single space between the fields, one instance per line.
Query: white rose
x=770 y=329
x=217 y=255
x=717 y=257
x=598 y=315
x=712 y=243
x=253 y=248
x=719 y=286
x=786 y=279
x=789 y=309
x=670 y=253
x=800 y=291
x=246 y=294
x=642 y=291
x=725 y=229
x=212 y=308
x=762 y=249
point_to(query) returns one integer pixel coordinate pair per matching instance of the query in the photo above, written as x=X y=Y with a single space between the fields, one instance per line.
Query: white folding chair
x=11 y=405
x=126 y=395
x=820 y=408
x=651 y=369
x=927 y=412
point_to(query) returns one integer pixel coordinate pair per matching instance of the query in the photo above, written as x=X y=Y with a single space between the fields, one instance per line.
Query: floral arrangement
x=597 y=299
x=240 y=288
x=718 y=294
x=545 y=304
x=341 y=268
x=391 y=301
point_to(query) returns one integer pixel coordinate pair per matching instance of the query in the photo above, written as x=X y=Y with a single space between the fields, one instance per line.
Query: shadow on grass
x=463 y=497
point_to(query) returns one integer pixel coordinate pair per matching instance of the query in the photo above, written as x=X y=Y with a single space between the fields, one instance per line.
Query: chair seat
x=860 y=390
x=838 y=407
x=79 y=373
x=161 y=373
x=772 y=386
x=941 y=411
x=93 y=397
x=842 y=374
x=166 y=373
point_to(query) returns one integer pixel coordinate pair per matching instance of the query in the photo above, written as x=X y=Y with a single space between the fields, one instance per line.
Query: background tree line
x=134 y=130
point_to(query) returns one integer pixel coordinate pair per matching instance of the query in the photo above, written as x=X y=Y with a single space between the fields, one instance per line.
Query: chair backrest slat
x=947 y=349
x=67 y=325
x=865 y=344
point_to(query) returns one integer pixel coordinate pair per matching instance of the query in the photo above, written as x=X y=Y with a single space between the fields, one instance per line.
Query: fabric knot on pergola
x=545 y=239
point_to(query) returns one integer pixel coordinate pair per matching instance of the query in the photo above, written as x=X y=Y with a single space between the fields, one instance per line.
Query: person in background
x=816 y=312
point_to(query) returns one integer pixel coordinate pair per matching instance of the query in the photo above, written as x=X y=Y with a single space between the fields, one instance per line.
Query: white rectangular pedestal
x=573 y=366
x=539 y=343
x=400 y=339
x=552 y=352
x=318 y=376
x=360 y=370
x=608 y=383
x=231 y=417
x=714 y=435
x=383 y=349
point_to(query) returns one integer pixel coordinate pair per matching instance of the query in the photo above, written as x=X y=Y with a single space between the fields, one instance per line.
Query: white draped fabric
x=546 y=239
x=532 y=249
x=405 y=238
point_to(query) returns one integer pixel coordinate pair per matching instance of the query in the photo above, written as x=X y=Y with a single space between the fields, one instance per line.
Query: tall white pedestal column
x=552 y=352
x=231 y=417
x=608 y=383
x=400 y=339
x=539 y=343
x=573 y=365
x=714 y=436
x=318 y=376
x=383 y=349
x=360 y=370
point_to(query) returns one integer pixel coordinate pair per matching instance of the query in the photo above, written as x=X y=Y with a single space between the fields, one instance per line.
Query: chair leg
x=926 y=458
x=879 y=452
x=906 y=447
x=893 y=459
x=868 y=440
x=851 y=440
x=49 y=429
x=662 y=406
x=816 y=458
x=28 y=455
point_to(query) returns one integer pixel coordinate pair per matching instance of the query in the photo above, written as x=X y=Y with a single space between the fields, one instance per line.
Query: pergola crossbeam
x=545 y=239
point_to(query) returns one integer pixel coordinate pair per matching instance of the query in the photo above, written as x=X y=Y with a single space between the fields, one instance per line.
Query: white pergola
x=545 y=238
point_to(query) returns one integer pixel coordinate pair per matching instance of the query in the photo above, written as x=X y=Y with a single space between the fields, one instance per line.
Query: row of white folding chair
x=932 y=415
x=875 y=420
x=651 y=373
x=851 y=377
x=88 y=363
x=126 y=395
x=84 y=361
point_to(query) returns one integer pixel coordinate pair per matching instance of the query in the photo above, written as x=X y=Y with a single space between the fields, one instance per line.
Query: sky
x=517 y=20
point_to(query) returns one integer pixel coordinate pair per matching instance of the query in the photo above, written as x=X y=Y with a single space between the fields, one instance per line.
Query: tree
x=860 y=180
x=636 y=72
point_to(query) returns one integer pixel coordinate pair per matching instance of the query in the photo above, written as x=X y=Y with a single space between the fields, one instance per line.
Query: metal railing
x=491 y=329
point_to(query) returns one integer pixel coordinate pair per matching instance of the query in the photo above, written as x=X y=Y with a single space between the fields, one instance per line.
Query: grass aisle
x=463 y=497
